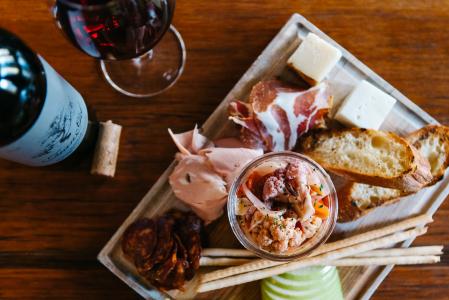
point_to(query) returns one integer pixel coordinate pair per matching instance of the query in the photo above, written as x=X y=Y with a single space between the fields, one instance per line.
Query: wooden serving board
x=357 y=282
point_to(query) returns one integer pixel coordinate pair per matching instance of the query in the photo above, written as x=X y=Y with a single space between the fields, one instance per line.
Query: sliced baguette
x=369 y=156
x=432 y=141
x=358 y=199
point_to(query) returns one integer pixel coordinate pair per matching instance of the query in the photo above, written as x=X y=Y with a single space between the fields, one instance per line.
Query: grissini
x=376 y=233
x=223 y=261
x=259 y=264
x=412 y=251
x=224 y=252
x=383 y=261
x=385 y=241
x=381 y=253
x=356 y=260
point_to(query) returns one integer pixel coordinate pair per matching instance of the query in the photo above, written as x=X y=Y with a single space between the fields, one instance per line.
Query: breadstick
x=359 y=238
x=413 y=251
x=223 y=252
x=381 y=253
x=376 y=233
x=222 y=261
x=309 y=261
x=388 y=260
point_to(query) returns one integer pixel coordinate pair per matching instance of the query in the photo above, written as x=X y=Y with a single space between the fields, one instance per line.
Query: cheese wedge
x=314 y=58
x=365 y=107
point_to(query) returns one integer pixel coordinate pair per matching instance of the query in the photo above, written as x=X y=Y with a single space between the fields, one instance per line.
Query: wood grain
x=55 y=220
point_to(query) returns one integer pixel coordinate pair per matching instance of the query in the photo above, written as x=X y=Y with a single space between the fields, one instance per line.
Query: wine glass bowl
x=141 y=53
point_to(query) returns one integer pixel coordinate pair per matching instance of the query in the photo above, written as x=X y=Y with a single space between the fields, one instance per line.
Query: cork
x=106 y=150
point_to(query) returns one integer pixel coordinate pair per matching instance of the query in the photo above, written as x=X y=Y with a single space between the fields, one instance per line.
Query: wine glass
x=141 y=54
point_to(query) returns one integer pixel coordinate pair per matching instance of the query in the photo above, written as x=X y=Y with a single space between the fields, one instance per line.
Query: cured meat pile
x=276 y=114
x=165 y=250
x=204 y=172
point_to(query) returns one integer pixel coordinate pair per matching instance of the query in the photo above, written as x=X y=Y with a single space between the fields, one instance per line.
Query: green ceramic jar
x=313 y=283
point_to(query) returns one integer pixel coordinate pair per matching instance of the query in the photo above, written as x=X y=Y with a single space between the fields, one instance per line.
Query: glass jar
x=282 y=158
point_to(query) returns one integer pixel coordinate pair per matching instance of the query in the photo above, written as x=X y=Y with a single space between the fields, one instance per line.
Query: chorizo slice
x=165 y=250
x=188 y=218
x=164 y=239
x=139 y=239
x=194 y=255
x=189 y=233
x=177 y=277
x=161 y=271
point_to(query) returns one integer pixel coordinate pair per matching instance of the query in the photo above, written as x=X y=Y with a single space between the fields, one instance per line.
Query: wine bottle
x=43 y=119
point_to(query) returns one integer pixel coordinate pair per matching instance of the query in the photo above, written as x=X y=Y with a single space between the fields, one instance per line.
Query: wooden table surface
x=54 y=221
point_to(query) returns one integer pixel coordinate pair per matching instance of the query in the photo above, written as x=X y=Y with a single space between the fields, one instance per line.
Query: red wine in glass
x=126 y=36
x=115 y=30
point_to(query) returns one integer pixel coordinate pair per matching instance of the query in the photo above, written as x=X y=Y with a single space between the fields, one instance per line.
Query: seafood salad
x=281 y=204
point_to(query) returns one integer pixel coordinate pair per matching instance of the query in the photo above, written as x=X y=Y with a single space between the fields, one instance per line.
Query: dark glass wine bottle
x=43 y=119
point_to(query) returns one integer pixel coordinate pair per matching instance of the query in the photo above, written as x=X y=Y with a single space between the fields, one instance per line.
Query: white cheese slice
x=314 y=57
x=365 y=107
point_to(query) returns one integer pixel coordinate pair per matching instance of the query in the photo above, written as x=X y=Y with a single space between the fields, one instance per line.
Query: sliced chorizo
x=189 y=233
x=139 y=239
x=176 y=279
x=164 y=239
x=165 y=250
x=161 y=272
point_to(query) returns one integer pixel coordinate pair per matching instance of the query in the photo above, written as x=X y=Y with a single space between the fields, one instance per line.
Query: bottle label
x=59 y=128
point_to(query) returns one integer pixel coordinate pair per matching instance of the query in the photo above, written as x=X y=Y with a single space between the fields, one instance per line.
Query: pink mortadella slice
x=190 y=142
x=228 y=162
x=203 y=175
x=194 y=182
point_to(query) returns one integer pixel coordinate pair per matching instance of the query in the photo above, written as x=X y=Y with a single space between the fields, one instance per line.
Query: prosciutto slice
x=204 y=172
x=277 y=114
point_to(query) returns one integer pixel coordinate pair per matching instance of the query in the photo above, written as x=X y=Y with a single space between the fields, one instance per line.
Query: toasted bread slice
x=358 y=199
x=432 y=141
x=369 y=156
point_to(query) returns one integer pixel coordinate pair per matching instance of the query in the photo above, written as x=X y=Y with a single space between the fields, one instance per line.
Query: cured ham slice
x=204 y=173
x=276 y=114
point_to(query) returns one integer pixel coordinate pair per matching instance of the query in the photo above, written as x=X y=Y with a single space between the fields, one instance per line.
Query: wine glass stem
x=151 y=73
x=138 y=61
